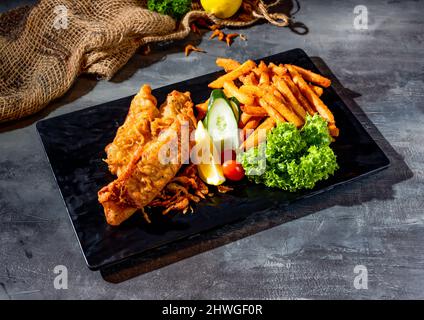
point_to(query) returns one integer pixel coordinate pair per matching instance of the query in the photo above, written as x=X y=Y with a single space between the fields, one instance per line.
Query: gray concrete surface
x=377 y=222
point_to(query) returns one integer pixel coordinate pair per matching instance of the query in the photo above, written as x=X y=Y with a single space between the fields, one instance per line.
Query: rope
x=279 y=19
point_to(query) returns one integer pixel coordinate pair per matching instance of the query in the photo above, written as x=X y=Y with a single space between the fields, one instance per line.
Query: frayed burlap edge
x=31 y=77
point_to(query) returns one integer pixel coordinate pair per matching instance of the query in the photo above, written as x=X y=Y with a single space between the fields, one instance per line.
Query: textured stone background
x=377 y=221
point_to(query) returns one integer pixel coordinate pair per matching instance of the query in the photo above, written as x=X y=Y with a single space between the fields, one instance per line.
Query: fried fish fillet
x=152 y=164
x=134 y=133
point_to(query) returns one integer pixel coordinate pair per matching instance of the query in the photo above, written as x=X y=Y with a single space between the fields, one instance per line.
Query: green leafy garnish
x=174 y=8
x=292 y=159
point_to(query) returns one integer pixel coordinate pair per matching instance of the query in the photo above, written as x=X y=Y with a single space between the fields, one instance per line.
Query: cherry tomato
x=233 y=170
x=228 y=155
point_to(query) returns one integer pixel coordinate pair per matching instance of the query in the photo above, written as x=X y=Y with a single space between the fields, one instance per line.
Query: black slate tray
x=74 y=144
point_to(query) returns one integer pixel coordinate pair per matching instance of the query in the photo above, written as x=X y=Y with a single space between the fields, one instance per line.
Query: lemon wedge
x=208 y=166
x=221 y=9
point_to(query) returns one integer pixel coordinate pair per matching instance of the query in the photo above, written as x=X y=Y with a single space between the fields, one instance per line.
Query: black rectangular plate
x=74 y=144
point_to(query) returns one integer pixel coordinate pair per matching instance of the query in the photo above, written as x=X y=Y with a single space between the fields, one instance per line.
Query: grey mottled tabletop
x=376 y=222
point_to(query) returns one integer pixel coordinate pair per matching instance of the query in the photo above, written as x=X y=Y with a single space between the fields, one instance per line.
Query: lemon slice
x=222 y=9
x=209 y=168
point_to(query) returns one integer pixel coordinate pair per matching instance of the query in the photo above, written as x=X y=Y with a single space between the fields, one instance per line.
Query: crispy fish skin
x=147 y=174
x=135 y=131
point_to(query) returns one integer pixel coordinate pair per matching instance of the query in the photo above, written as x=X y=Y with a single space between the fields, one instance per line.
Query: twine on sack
x=276 y=18
x=39 y=63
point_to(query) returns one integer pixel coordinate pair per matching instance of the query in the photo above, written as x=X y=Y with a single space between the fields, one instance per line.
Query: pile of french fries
x=270 y=94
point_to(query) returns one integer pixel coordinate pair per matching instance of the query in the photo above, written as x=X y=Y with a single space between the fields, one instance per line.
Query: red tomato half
x=233 y=170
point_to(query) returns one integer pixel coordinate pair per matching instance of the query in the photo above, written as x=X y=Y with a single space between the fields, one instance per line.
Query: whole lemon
x=221 y=9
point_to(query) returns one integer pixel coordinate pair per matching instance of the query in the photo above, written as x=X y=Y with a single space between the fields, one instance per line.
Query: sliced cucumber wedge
x=235 y=104
x=221 y=121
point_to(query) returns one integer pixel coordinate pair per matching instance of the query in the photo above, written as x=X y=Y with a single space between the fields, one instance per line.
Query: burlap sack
x=44 y=48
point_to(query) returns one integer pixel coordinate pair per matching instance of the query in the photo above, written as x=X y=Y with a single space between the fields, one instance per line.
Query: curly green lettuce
x=174 y=8
x=315 y=131
x=292 y=159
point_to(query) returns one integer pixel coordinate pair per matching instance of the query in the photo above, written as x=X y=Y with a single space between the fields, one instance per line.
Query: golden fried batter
x=144 y=173
x=134 y=133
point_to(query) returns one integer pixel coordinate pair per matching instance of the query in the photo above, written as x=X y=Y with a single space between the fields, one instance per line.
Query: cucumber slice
x=221 y=121
x=215 y=94
x=235 y=104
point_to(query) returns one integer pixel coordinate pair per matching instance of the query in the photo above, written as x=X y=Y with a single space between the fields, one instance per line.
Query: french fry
x=282 y=86
x=273 y=113
x=302 y=100
x=278 y=70
x=256 y=71
x=244 y=118
x=318 y=90
x=202 y=109
x=243 y=78
x=248 y=127
x=231 y=90
x=282 y=109
x=259 y=135
x=312 y=76
x=251 y=125
x=263 y=67
x=271 y=66
x=249 y=79
x=264 y=78
x=244 y=68
x=252 y=90
x=310 y=95
x=254 y=111
x=334 y=131
x=227 y=64
x=272 y=89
